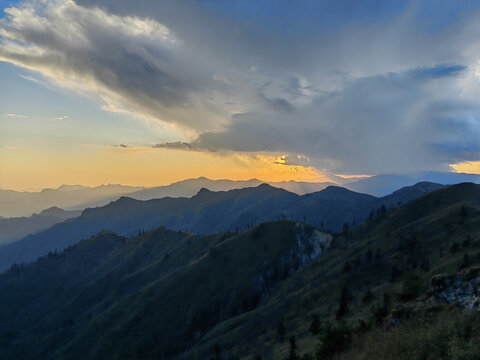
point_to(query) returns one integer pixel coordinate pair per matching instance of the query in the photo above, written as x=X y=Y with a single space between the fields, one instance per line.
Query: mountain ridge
x=245 y=294
x=205 y=212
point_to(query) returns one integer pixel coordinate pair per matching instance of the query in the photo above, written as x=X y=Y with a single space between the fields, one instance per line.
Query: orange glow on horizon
x=468 y=167
x=26 y=168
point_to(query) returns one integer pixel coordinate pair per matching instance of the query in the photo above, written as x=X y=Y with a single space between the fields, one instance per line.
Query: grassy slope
x=143 y=297
x=409 y=237
x=161 y=290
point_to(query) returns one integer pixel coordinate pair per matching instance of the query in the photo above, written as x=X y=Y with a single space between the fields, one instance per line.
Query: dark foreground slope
x=152 y=296
x=210 y=212
x=173 y=295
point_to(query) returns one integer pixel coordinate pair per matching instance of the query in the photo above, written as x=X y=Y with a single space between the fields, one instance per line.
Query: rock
x=460 y=289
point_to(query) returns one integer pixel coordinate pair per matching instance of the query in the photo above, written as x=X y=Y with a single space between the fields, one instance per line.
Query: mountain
x=373 y=292
x=78 y=197
x=301 y=188
x=382 y=185
x=136 y=283
x=189 y=187
x=70 y=197
x=206 y=212
x=12 y=229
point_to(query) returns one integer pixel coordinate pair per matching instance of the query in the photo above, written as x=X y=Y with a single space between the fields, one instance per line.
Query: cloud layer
x=375 y=89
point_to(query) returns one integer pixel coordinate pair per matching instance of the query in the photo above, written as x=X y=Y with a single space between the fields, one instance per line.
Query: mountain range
x=279 y=289
x=68 y=197
x=12 y=229
x=381 y=185
x=77 y=197
x=211 y=212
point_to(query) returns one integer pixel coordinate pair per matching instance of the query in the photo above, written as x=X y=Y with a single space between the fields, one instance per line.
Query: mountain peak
x=52 y=211
x=266 y=186
x=66 y=187
x=204 y=191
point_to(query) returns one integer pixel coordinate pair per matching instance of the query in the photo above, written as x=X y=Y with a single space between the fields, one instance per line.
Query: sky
x=151 y=92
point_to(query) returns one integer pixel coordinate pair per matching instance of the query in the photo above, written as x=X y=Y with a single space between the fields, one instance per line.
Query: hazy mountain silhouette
x=77 y=197
x=381 y=185
x=12 y=229
x=69 y=197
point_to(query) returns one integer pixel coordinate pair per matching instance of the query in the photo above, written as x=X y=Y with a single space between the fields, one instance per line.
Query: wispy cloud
x=379 y=89
x=174 y=145
x=10 y=115
x=123 y=146
x=13 y=147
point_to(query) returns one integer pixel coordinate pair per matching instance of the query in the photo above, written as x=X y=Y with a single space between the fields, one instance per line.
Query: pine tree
x=315 y=325
x=343 y=307
x=281 y=331
x=293 y=349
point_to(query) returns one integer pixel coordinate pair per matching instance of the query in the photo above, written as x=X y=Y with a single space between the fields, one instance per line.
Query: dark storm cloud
x=368 y=86
x=385 y=123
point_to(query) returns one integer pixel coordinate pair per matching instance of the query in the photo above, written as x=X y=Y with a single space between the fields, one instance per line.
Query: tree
x=293 y=349
x=343 y=306
x=216 y=352
x=332 y=340
x=396 y=273
x=346 y=228
x=347 y=268
x=411 y=287
x=466 y=262
x=369 y=255
x=281 y=331
x=315 y=325
x=383 y=210
x=368 y=297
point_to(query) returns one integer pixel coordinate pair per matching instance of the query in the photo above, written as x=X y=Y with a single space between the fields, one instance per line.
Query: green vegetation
x=259 y=294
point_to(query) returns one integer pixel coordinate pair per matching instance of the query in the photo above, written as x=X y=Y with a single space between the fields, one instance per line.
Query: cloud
x=381 y=88
x=19 y=116
x=129 y=63
x=398 y=122
x=123 y=146
x=174 y=146
x=64 y=117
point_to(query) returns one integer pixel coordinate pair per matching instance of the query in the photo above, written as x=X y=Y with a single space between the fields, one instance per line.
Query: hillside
x=137 y=283
x=12 y=229
x=174 y=295
x=386 y=265
x=209 y=212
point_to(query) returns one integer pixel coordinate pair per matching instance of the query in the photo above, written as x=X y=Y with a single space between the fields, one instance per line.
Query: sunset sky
x=151 y=92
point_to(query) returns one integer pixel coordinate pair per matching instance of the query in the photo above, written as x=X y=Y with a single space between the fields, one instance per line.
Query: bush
x=411 y=287
x=333 y=339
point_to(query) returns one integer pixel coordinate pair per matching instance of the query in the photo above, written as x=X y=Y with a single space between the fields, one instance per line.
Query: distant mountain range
x=69 y=197
x=12 y=229
x=165 y=294
x=210 y=212
x=381 y=185
x=77 y=197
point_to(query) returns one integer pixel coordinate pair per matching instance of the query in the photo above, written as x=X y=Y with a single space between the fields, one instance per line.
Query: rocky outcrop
x=461 y=289
x=310 y=245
